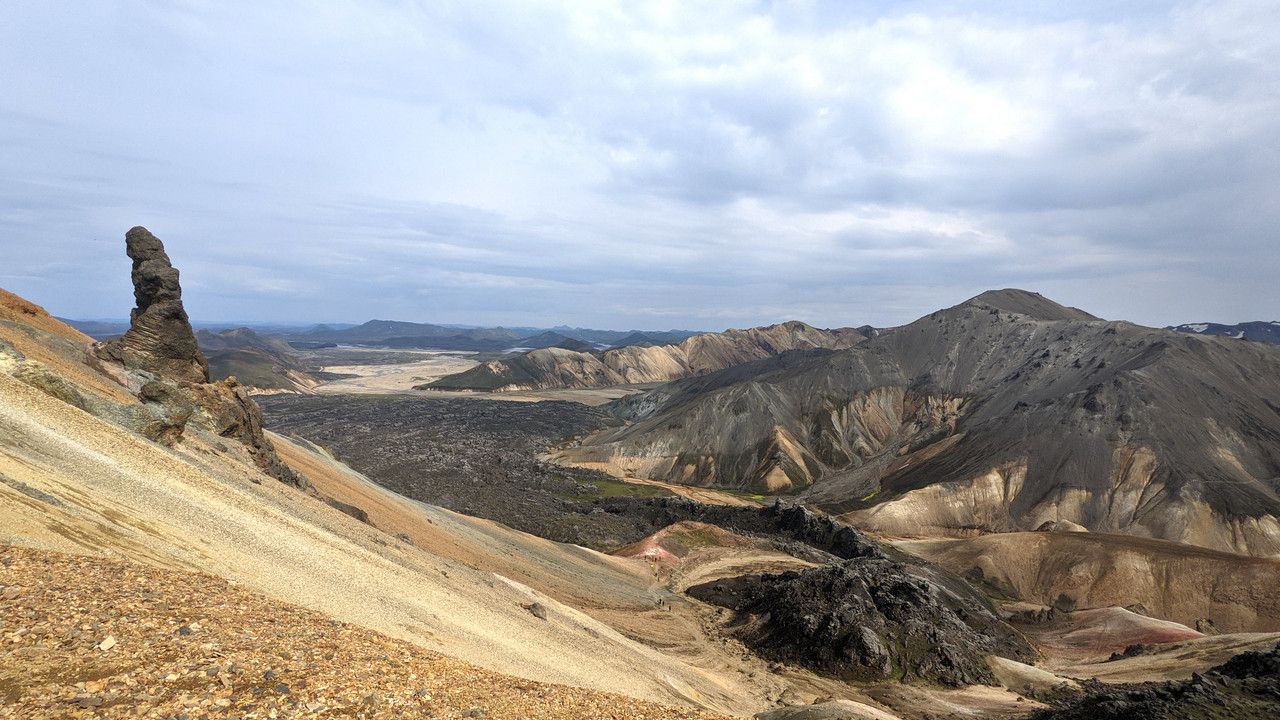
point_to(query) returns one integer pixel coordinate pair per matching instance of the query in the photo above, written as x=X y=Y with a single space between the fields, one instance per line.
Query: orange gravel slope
x=91 y=637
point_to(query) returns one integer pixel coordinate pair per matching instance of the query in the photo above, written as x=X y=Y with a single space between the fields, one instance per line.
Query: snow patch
x=1197 y=327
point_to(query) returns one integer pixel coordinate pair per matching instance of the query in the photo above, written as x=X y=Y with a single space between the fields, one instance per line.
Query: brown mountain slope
x=37 y=335
x=557 y=367
x=72 y=482
x=1185 y=584
x=976 y=417
x=116 y=639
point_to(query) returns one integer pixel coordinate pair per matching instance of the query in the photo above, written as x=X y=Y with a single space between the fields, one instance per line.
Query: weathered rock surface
x=159 y=339
x=225 y=409
x=161 y=358
x=868 y=619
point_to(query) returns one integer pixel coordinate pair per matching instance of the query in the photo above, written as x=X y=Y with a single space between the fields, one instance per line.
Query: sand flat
x=397 y=377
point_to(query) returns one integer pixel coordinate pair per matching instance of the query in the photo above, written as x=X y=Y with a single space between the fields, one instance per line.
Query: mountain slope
x=158 y=638
x=556 y=367
x=73 y=482
x=978 y=417
x=260 y=362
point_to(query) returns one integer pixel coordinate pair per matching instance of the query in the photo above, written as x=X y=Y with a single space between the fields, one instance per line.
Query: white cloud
x=750 y=159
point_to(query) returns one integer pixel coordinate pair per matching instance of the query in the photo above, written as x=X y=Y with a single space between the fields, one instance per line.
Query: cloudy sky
x=644 y=164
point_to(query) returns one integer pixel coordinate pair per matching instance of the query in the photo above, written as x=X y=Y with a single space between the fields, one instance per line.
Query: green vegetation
x=743 y=495
x=482 y=378
x=616 y=488
x=249 y=367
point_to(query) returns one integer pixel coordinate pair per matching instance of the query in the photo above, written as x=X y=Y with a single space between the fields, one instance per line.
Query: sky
x=646 y=165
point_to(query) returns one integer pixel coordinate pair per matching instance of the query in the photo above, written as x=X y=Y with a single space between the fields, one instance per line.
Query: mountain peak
x=1031 y=304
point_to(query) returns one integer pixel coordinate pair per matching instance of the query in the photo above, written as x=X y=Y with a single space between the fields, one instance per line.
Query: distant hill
x=1258 y=331
x=408 y=334
x=98 y=329
x=616 y=338
x=542 y=340
x=392 y=333
x=260 y=362
x=998 y=414
x=559 y=367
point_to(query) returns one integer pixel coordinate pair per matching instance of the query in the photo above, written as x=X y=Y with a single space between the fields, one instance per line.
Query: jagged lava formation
x=1002 y=413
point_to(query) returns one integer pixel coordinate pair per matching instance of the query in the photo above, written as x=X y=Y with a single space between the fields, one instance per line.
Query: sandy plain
x=379 y=371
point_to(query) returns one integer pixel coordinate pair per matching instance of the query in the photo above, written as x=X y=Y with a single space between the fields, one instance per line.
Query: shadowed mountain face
x=567 y=367
x=1001 y=413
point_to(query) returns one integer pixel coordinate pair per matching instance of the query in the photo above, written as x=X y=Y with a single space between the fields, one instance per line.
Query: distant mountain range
x=395 y=334
x=1258 y=331
x=567 y=366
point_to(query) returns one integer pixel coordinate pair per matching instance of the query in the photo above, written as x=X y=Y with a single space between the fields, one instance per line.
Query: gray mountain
x=1258 y=331
x=1001 y=413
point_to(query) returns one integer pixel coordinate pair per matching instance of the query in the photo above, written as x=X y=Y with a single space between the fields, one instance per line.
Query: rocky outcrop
x=160 y=416
x=867 y=619
x=159 y=340
x=160 y=358
x=225 y=409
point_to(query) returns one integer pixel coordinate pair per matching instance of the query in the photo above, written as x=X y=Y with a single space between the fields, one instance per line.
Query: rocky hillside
x=261 y=363
x=998 y=414
x=143 y=459
x=558 y=367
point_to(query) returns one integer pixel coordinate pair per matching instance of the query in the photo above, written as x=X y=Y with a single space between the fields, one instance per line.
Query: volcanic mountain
x=263 y=363
x=1002 y=413
x=561 y=367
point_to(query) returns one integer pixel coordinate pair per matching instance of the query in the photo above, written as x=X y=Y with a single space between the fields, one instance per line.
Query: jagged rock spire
x=159 y=339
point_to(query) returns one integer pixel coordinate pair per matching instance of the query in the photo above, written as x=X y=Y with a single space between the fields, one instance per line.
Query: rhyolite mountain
x=1002 y=413
x=566 y=367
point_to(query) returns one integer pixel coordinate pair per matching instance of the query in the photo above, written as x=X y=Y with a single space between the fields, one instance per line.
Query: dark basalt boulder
x=867 y=619
x=159 y=339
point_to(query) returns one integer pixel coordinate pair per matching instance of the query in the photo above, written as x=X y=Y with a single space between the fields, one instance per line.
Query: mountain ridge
x=550 y=368
x=1097 y=422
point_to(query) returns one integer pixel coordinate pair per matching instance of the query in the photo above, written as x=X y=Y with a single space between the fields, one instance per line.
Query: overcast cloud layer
x=644 y=165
